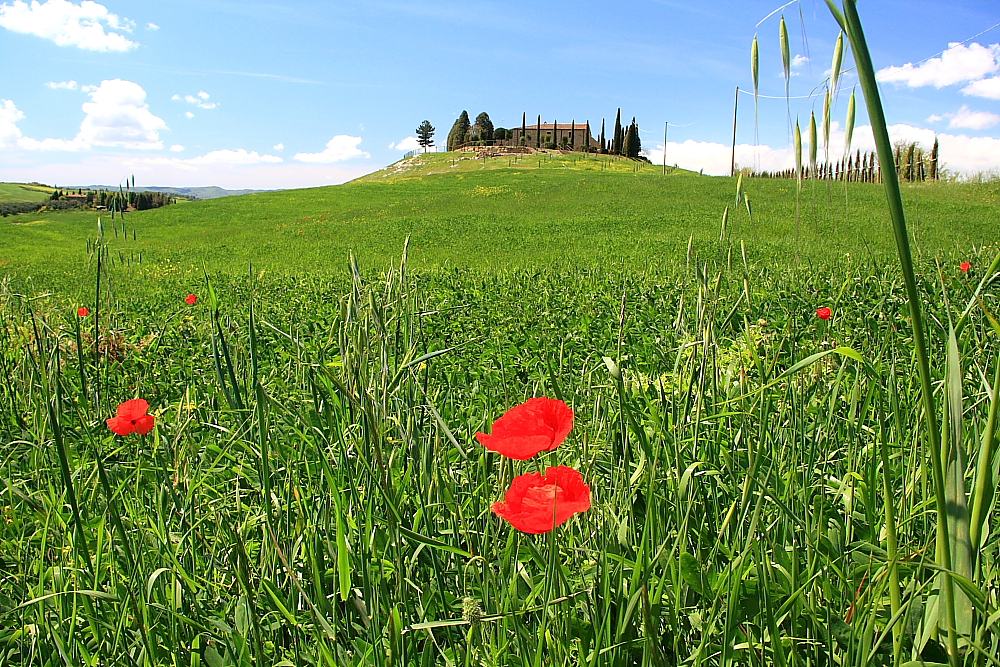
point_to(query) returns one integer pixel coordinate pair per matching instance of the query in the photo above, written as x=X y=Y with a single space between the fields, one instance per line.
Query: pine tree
x=459 y=131
x=425 y=135
x=616 y=146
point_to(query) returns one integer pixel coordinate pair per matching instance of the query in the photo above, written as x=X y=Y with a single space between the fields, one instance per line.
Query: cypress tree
x=616 y=146
x=555 y=133
x=586 y=138
x=459 y=131
x=524 y=128
x=538 y=134
x=630 y=143
x=484 y=127
x=910 y=153
x=572 y=135
x=604 y=145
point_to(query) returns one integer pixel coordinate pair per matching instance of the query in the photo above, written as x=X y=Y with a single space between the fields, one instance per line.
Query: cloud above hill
x=67 y=24
x=970 y=64
x=341 y=147
x=116 y=116
x=960 y=153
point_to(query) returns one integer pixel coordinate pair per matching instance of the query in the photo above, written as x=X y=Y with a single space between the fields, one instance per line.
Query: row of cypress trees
x=624 y=140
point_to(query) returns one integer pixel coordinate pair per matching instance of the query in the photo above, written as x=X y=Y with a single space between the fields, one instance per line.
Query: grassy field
x=21 y=192
x=495 y=215
x=313 y=493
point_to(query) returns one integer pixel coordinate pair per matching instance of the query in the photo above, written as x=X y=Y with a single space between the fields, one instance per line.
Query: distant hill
x=206 y=192
x=24 y=192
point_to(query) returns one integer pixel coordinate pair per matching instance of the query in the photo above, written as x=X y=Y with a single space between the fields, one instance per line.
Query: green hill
x=21 y=192
x=501 y=213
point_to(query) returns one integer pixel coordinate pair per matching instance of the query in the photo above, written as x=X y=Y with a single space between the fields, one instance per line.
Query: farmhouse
x=575 y=136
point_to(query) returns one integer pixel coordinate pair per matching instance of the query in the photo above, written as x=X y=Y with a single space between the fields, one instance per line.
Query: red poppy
x=132 y=417
x=965 y=266
x=538 y=425
x=191 y=299
x=83 y=312
x=537 y=504
x=823 y=313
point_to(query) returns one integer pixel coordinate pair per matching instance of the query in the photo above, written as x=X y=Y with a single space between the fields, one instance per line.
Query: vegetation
x=425 y=134
x=459 y=131
x=756 y=399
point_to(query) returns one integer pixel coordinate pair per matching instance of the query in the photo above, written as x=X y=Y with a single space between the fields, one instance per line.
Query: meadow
x=313 y=493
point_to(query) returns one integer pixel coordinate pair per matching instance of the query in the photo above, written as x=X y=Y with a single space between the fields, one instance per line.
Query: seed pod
x=755 y=67
x=786 y=58
x=812 y=144
x=849 y=130
x=838 y=62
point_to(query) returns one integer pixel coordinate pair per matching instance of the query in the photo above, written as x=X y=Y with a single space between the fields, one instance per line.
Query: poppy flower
x=538 y=503
x=132 y=417
x=823 y=313
x=191 y=299
x=83 y=312
x=538 y=425
x=965 y=266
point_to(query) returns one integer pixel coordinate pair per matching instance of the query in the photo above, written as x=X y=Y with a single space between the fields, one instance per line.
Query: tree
x=934 y=172
x=604 y=146
x=524 y=128
x=630 y=144
x=616 y=145
x=538 y=133
x=483 y=129
x=425 y=135
x=502 y=134
x=459 y=131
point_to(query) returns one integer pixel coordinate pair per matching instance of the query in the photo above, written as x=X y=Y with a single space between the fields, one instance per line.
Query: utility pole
x=666 y=124
x=736 y=104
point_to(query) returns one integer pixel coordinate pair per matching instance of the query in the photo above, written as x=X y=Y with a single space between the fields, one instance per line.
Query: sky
x=297 y=93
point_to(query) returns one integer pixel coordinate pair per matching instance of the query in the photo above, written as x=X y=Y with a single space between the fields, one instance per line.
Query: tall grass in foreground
x=312 y=493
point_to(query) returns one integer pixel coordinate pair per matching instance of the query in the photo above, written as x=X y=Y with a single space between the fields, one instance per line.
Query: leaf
x=693 y=574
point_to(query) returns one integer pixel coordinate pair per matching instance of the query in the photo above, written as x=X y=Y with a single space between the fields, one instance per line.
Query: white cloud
x=68 y=24
x=176 y=148
x=200 y=100
x=12 y=138
x=240 y=156
x=279 y=147
x=65 y=85
x=966 y=118
x=959 y=153
x=341 y=147
x=407 y=144
x=88 y=89
x=118 y=115
x=189 y=114
x=959 y=63
x=799 y=60
x=152 y=26
x=988 y=88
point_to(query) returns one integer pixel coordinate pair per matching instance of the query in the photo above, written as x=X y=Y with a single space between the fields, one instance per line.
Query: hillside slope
x=536 y=212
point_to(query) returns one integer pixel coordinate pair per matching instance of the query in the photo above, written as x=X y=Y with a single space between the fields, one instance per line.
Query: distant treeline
x=572 y=136
x=121 y=200
x=13 y=208
x=913 y=164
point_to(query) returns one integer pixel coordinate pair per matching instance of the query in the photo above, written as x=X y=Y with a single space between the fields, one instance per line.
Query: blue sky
x=298 y=93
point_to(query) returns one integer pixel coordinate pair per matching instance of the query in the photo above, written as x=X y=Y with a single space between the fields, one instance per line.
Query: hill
x=196 y=192
x=23 y=192
x=539 y=211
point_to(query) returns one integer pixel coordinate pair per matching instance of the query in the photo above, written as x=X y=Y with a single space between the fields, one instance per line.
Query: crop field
x=312 y=490
x=18 y=192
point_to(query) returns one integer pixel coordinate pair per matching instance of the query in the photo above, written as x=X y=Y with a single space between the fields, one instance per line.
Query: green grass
x=311 y=497
x=21 y=192
x=490 y=216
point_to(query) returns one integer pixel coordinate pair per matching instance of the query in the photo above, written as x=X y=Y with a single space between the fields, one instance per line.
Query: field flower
x=83 y=311
x=538 y=425
x=132 y=417
x=965 y=266
x=191 y=299
x=823 y=313
x=538 y=503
